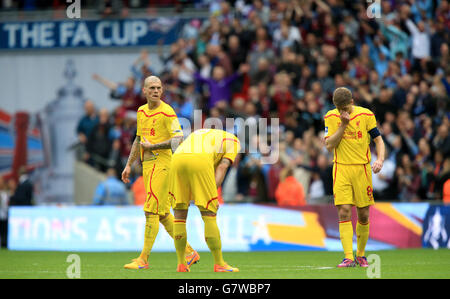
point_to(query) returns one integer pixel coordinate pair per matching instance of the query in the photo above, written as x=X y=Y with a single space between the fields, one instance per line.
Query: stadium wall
x=244 y=227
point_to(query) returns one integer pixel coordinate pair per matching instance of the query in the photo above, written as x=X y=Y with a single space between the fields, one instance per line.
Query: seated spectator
x=289 y=191
x=111 y=192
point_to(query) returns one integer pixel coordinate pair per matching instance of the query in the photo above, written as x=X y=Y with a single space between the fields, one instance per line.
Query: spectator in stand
x=126 y=132
x=23 y=193
x=85 y=126
x=420 y=37
x=101 y=143
x=4 y=206
x=261 y=50
x=129 y=92
x=111 y=192
x=219 y=85
x=236 y=52
x=141 y=68
x=286 y=36
x=138 y=188
x=382 y=181
x=109 y=8
x=408 y=179
x=442 y=181
x=282 y=98
x=442 y=140
x=446 y=192
x=289 y=191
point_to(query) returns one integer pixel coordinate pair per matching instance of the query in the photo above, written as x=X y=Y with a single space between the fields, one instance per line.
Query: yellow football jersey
x=354 y=145
x=156 y=126
x=213 y=144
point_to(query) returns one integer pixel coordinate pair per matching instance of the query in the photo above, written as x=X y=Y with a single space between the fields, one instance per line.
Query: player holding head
x=158 y=132
x=348 y=130
x=198 y=169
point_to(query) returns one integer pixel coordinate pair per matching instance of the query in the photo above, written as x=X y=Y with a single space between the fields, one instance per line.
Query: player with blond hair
x=348 y=131
x=158 y=133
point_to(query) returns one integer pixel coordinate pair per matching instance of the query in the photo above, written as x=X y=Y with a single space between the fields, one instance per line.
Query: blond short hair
x=342 y=97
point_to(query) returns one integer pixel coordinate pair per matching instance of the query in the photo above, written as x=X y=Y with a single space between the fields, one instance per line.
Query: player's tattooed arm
x=134 y=154
x=221 y=170
x=172 y=144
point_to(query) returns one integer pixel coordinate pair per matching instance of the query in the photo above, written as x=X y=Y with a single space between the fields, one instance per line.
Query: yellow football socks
x=180 y=239
x=346 y=234
x=151 y=231
x=168 y=223
x=212 y=237
x=362 y=235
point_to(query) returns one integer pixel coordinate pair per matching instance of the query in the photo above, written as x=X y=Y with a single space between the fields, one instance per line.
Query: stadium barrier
x=244 y=227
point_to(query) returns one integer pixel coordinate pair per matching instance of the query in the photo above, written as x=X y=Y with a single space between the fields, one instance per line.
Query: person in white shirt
x=381 y=180
x=420 y=46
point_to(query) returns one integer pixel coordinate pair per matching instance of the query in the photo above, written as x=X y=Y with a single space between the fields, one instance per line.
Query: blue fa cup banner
x=89 y=33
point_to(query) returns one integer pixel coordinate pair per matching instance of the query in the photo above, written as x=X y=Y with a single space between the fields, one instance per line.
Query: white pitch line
x=288 y=268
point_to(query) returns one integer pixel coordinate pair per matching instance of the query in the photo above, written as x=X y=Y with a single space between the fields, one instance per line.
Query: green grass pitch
x=407 y=263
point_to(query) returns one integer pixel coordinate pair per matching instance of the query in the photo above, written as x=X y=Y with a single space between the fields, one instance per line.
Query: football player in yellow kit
x=348 y=131
x=198 y=169
x=158 y=132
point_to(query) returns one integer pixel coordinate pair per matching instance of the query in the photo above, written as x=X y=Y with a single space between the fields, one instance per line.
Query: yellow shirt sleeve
x=138 y=126
x=330 y=124
x=171 y=122
x=173 y=126
x=230 y=147
x=371 y=122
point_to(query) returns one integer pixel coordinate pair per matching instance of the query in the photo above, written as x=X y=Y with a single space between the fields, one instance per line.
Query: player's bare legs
x=344 y=212
x=362 y=235
x=346 y=234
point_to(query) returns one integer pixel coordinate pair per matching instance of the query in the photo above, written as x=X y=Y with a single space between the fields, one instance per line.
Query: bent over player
x=158 y=132
x=348 y=130
x=198 y=169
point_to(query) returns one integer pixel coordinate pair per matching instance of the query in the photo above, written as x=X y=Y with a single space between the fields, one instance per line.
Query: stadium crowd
x=283 y=59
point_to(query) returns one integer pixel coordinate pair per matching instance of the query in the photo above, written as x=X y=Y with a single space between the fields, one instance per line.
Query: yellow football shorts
x=352 y=184
x=155 y=179
x=192 y=178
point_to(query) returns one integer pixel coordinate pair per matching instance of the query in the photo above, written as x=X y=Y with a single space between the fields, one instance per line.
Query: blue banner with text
x=89 y=33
